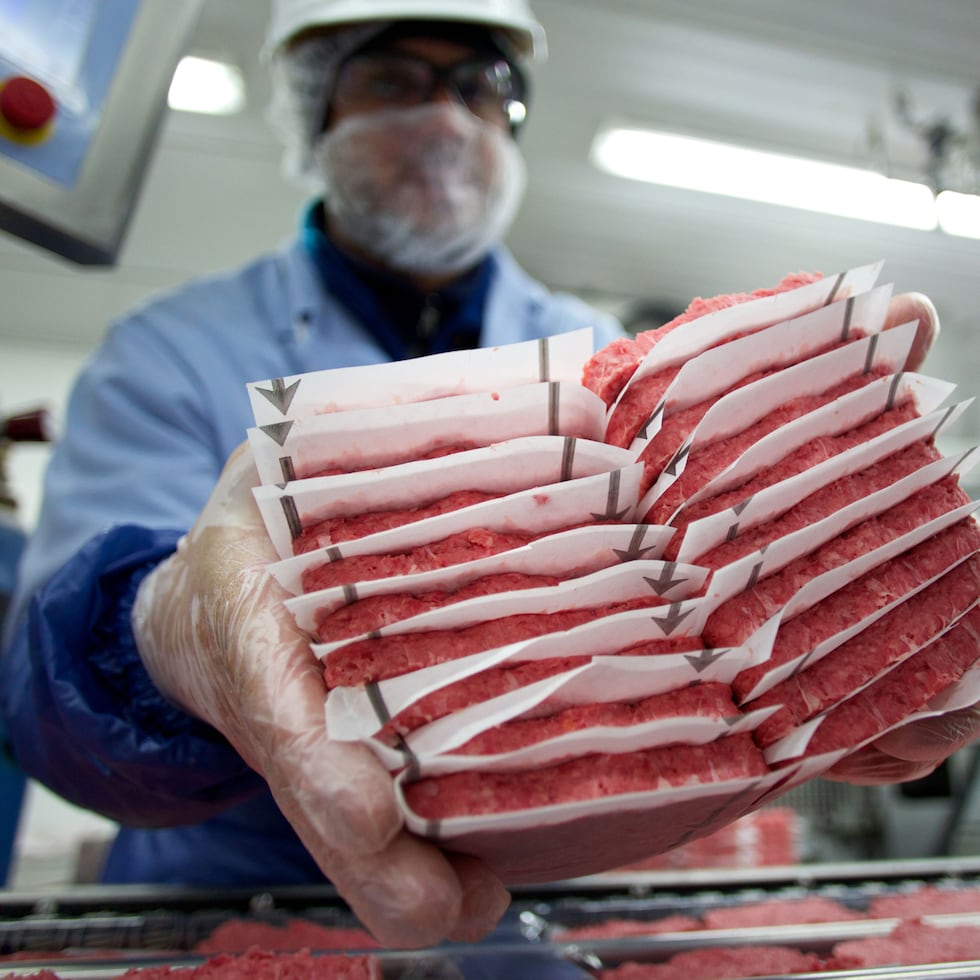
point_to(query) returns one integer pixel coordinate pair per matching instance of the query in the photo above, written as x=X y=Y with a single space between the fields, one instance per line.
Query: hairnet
x=302 y=79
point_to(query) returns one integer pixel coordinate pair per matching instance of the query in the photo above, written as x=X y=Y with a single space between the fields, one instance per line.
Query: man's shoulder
x=242 y=290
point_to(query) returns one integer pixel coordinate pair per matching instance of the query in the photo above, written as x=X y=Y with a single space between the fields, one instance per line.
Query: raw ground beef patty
x=904 y=629
x=585 y=778
x=824 y=502
x=496 y=681
x=452 y=550
x=643 y=396
x=699 y=700
x=257 y=964
x=779 y=912
x=720 y=964
x=348 y=527
x=707 y=461
x=364 y=661
x=810 y=454
x=374 y=612
x=470 y=545
x=874 y=590
x=608 y=370
x=905 y=689
x=910 y=943
x=738 y=618
x=241 y=935
x=925 y=900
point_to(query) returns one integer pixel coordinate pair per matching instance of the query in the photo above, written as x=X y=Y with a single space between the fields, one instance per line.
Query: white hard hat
x=292 y=17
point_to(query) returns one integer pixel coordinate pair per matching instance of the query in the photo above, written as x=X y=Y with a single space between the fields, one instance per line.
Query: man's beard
x=429 y=189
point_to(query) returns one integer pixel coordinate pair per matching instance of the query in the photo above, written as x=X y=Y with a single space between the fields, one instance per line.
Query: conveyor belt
x=96 y=932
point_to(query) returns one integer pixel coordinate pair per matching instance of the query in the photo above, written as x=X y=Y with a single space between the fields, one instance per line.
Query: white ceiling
x=797 y=76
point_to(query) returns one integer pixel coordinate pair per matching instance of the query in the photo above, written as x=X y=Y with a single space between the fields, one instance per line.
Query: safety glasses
x=488 y=86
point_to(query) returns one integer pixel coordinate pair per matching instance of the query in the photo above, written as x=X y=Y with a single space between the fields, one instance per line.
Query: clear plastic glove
x=214 y=634
x=910 y=751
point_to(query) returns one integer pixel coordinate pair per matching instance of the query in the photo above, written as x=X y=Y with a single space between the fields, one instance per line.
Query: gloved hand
x=910 y=751
x=214 y=634
x=915 y=306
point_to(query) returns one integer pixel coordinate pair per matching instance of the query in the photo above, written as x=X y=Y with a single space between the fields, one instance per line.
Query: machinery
x=83 y=88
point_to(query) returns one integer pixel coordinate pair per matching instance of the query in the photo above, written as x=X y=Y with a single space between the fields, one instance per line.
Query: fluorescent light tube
x=206 y=85
x=720 y=168
x=959 y=214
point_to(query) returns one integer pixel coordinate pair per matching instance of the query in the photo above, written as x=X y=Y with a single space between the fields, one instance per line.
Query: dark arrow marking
x=943 y=420
x=643 y=431
x=554 y=393
x=703 y=659
x=286 y=466
x=869 y=360
x=280 y=396
x=334 y=554
x=738 y=510
x=893 y=391
x=836 y=289
x=666 y=582
x=740 y=507
x=544 y=360
x=961 y=460
x=350 y=593
x=277 y=431
x=673 y=619
x=292 y=516
x=678 y=458
x=801 y=666
x=848 y=314
x=567 y=459
x=754 y=576
x=612 y=500
x=377 y=702
x=636 y=549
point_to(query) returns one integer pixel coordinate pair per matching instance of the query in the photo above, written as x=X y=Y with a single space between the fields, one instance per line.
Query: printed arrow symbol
x=673 y=619
x=754 y=576
x=635 y=549
x=739 y=508
x=666 y=582
x=802 y=665
x=679 y=457
x=612 y=500
x=277 y=431
x=280 y=395
x=703 y=659
x=643 y=432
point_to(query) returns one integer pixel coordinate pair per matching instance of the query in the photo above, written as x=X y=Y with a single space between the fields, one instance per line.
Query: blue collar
x=404 y=320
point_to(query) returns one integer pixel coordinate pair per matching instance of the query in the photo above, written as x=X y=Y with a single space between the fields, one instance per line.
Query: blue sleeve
x=83 y=716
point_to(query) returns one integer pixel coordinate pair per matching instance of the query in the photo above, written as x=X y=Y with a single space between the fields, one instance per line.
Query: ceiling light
x=959 y=214
x=207 y=85
x=720 y=168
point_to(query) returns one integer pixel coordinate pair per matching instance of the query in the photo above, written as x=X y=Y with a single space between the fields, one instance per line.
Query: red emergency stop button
x=26 y=107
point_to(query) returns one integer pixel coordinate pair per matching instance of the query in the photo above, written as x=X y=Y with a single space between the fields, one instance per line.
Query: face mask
x=428 y=189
